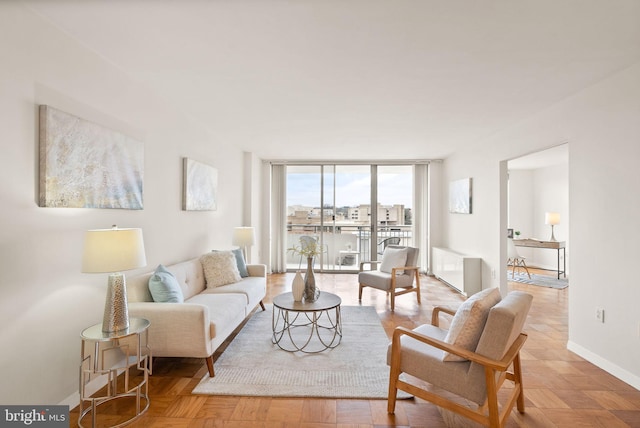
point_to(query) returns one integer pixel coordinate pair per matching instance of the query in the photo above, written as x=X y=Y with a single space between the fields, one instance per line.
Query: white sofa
x=197 y=327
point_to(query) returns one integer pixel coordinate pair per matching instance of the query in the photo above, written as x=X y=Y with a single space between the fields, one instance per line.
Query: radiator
x=461 y=272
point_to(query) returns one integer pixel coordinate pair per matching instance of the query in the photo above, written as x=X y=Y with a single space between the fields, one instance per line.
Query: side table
x=111 y=355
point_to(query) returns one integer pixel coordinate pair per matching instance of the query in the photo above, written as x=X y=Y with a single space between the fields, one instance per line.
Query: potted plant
x=517 y=233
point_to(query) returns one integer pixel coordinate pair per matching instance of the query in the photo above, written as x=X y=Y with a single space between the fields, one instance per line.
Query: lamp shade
x=243 y=236
x=113 y=250
x=552 y=218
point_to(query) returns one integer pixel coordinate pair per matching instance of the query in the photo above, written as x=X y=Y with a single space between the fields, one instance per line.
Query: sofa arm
x=257 y=270
x=177 y=329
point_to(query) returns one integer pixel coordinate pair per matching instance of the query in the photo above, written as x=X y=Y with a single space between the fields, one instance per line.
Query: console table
x=553 y=245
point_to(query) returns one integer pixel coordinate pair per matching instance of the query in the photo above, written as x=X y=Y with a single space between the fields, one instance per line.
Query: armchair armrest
x=403 y=269
x=435 y=319
x=371 y=263
x=499 y=365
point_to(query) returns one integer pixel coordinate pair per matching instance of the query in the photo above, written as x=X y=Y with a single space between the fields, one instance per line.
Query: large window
x=333 y=204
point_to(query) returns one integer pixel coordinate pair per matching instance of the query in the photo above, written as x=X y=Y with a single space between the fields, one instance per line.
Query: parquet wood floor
x=561 y=389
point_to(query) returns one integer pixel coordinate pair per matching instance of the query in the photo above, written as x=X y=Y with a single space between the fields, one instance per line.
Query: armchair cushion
x=468 y=322
x=393 y=257
x=425 y=362
x=382 y=280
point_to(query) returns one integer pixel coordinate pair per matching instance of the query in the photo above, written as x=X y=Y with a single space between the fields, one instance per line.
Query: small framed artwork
x=510 y=233
x=200 y=186
x=460 y=196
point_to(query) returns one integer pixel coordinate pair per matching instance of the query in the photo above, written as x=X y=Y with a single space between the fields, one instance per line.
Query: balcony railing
x=344 y=246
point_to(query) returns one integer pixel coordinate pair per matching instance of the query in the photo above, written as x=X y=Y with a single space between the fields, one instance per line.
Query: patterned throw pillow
x=220 y=268
x=164 y=287
x=240 y=262
x=469 y=320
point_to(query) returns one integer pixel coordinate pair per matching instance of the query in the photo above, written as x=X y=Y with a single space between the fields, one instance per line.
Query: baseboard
x=605 y=365
x=92 y=387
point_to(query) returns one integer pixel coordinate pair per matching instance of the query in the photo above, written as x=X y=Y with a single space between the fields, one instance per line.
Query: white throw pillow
x=220 y=268
x=469 y=320
x=393 y=258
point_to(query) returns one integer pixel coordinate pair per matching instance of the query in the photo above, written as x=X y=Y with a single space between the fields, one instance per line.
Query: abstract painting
x=85 y=165
x=200 y=186
x=460 y=196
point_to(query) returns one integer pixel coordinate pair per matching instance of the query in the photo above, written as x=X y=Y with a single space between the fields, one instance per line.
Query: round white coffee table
x=306 y=326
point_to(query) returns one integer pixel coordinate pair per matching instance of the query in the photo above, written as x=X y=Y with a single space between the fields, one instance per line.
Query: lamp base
x=116 y=311
x=553 y=238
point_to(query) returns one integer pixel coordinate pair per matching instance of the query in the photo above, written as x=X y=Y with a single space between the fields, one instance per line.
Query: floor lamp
x=113 y=251
x=244 y=237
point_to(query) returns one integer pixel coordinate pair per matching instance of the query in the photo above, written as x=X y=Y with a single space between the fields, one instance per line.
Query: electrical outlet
x=600 y=314
x=493 y=273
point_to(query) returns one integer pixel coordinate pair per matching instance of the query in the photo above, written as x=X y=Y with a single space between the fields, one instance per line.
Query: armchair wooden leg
x=209 y=360
x=360 y=292
x=492 y=398
x=517 y=374
x=418 y=286
x=262 y=305
x=393 y=298
x=394 y=374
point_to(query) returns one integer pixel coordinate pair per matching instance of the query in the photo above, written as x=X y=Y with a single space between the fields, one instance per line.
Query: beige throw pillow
x=220 y=268
x=469 y=320
x=393 y=258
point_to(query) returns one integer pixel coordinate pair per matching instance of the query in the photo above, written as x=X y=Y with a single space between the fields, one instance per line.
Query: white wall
x=602 y=127
x=46 y=301
x=532 y=193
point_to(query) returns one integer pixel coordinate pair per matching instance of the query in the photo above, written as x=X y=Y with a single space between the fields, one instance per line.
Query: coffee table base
x=295 y=331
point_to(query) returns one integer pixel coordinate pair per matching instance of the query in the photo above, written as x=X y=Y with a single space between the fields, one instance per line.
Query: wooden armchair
x=479 y=377
x=397 y=273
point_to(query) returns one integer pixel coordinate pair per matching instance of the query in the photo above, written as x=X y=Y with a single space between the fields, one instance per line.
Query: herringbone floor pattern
x=561 y=389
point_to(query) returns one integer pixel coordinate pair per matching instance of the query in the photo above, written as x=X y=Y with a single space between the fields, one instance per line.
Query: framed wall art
x=200 y=186
x=460 y=196
x=85 y=165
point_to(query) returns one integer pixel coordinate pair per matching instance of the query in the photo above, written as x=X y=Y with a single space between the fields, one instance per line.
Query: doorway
x=538 y=186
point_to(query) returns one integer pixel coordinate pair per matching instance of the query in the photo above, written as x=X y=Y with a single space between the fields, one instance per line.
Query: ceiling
x=356 y=79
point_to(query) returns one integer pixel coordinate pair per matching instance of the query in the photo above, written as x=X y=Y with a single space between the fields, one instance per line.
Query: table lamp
x=243 y=237
x=113 y=251
x=552 y=219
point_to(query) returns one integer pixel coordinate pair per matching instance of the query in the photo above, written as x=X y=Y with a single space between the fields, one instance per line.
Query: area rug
x=253 y=366
x=541 y=280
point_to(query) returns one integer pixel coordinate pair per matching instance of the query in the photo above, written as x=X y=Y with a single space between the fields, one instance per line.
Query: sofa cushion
x=251 y=288
x=220 y=268
x=469 y=320
x=226 y=311
x=164 y=287
x=393 y=258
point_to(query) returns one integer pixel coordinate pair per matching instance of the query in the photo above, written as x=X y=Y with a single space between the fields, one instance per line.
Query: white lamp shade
x=113 y=250
x=552 y=218
x=243 y=236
